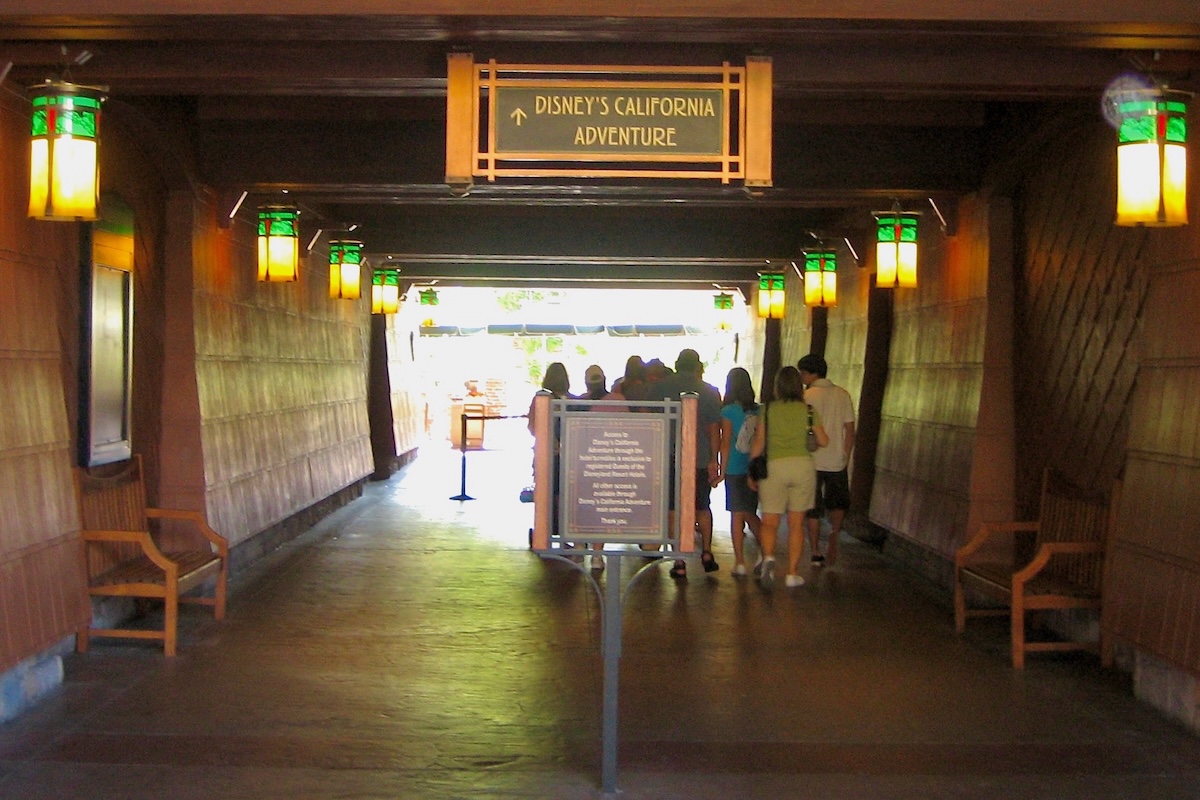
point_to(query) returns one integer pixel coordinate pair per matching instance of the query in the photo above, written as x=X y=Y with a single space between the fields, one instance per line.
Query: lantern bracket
x=230 y=203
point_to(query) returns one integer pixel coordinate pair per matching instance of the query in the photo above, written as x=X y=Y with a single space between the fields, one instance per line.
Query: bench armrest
x=1049 y=550
x=141 y=538
x=986 y=531
x=196 y=517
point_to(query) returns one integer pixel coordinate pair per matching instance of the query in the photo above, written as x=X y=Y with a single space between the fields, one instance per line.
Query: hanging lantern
x=278 y=243
x=770 y=296
x=345 y=261
x=1152 y=159
x=896 y=249
x=429 y=297
x=723 y=303
x=820 y=278
x=64 y=173
x=385 y=291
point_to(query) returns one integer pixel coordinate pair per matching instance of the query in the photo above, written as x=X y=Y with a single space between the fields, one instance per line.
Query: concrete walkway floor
x=410 y=646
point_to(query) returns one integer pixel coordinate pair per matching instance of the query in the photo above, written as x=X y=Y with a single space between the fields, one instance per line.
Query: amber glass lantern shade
x=345 y=269
x=820 y=278
x=385 y=291
x=896 y=250
x=771 y=299
x=64 y=172
x=278 y=243
x=1152 y=159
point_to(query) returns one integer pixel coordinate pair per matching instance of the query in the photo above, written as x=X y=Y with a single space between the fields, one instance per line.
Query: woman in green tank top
x=791 y=483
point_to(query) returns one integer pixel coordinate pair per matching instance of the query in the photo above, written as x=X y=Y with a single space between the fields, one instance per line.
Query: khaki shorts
x=790 y=485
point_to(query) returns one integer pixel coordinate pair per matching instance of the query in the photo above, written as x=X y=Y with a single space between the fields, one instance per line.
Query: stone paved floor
x=411 y=647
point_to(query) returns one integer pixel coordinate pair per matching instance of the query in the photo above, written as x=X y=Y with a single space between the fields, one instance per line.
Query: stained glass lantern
x=278 y=243
x=345 y=263
x=820 y=278
x=385 y=291
x=896 y=249
x=771 y=296
x=1152 y=158
x=64 y=172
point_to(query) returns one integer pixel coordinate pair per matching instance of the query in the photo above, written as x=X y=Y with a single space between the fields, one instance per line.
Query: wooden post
x=460 y=119
x=758 y=120
x=687 y=481
x=543 y=471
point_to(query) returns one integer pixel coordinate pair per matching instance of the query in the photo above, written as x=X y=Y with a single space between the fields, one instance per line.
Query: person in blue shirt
x=739 y=418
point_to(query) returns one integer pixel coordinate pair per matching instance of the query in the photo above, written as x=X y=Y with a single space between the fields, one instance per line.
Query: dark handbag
x=756 y=470
x=810 y=437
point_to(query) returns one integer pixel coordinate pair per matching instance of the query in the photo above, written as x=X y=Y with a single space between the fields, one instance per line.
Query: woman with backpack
x=739 y=418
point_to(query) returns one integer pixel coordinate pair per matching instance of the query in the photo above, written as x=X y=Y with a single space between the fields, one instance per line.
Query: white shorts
x=790 y=485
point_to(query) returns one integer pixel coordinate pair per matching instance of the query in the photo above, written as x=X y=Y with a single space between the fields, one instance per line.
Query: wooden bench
x=130 y=553
x=1054 y=562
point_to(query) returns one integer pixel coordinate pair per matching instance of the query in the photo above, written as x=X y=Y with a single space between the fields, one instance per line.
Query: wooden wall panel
x=927 y=441
x=280 y=373
x=1108 y=375
x=41 y=585
x=1078 y=302
x=1155 y=570
x=408 y=402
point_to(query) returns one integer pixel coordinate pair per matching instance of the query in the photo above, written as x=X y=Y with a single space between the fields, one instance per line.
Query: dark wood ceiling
x=346 y=112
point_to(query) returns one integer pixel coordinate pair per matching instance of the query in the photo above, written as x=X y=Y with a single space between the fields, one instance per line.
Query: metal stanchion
x=462 y=446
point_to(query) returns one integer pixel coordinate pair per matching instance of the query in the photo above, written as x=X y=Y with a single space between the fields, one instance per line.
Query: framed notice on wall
x=106 y=342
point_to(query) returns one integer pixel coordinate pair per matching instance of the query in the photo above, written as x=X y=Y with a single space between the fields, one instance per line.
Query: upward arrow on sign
x=518 y=115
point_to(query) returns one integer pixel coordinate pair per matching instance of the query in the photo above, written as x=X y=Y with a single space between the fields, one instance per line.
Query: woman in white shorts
x=791 y=483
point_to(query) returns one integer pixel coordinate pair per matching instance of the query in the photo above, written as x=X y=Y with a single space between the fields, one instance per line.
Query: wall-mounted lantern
x=896 y=249
x=820 y=278
x=278 y=243
x=771 y=300
x=345 y=274
x=723 y=303
x=385 y=291
x=64 y=172
x=1152 y=158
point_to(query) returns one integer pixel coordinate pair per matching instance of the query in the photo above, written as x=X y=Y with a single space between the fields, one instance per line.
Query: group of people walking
x=804 y=439
x=787 y=457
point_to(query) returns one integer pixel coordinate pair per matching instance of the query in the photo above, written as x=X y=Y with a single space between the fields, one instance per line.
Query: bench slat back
x=1069 y=514
x=111 y=498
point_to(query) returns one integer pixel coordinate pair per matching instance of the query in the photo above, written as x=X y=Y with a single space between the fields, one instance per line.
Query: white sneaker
x=739 y=570
x=597 y=563
x=768 y=572
x=792 y=581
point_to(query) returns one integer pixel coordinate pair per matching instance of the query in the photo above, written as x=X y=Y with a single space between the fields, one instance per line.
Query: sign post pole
x=614 y=489
x=611 y=643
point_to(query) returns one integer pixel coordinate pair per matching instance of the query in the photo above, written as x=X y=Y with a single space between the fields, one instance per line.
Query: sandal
x=709 y=563
x=679 y=570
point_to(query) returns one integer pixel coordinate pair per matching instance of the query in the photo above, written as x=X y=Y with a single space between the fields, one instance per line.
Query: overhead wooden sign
x=579 y=121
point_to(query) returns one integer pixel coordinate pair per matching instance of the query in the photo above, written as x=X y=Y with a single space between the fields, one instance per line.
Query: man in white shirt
x=836 y=411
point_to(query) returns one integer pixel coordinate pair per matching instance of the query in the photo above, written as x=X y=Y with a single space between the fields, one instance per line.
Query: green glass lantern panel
x=820 y=260
x=278 y=222
x=345 y=252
